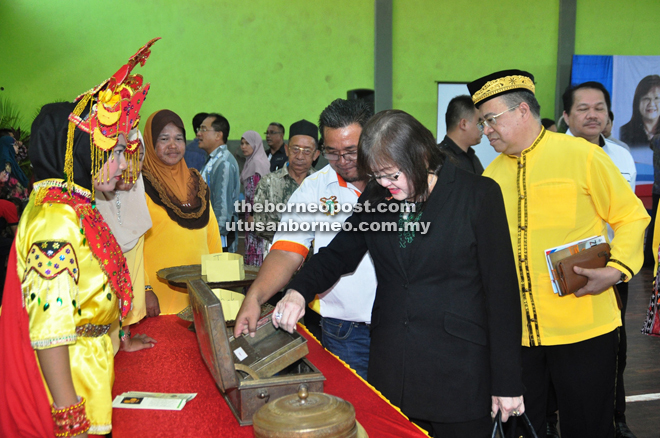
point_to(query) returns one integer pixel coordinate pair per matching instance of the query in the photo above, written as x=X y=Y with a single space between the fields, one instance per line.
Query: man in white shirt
x=345 y=309
x=587 y=112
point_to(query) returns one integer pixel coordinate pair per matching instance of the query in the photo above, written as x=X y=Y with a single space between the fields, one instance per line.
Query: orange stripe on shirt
x=342 y=183
x=287 y=245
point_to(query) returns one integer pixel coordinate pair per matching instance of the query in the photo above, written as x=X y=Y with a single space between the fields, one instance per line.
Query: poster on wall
x=636 y=103
x=446 y=92
x=634 y=85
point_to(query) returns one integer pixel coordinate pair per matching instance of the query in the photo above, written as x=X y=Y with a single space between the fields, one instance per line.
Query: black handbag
x=498 y=428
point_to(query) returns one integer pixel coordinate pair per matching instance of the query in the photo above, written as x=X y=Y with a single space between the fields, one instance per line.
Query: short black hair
x=518 y=97
x=460 y=107
x=342 y=113
x=6 y=131
x=198 y=119
x=611 y=116
x=569 y=94
x=220 y=124
x=279 y=125
x=547 y=123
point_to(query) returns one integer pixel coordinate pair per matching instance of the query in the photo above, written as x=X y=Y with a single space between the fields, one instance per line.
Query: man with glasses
x=346 y=308
x=275 y=139
x=586 y=112
x=463 y=132
x=277 y=187
x=194 y=156
x=222 y=176
x=559 y=189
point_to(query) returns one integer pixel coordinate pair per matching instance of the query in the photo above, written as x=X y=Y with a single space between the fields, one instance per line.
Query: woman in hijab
x=59 y=260
x=184 y=226
x=126 y=213
x=67 y=279
x=11 y=173
x=256 y=167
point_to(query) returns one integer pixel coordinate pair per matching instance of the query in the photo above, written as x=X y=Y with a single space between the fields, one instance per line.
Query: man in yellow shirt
x=559 y=189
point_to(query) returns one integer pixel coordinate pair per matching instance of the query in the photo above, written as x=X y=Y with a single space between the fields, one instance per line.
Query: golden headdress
x=114 y=109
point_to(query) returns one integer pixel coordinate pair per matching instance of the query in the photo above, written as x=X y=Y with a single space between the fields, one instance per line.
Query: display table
x=175 y=365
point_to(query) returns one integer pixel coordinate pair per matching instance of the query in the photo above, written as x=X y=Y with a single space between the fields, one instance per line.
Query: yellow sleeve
x=656 y=242
x=50 y=291
x=213 y=239
x=616 y=203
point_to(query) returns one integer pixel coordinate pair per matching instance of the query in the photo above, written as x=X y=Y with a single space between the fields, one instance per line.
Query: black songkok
x=304 y=127
x=501 y=82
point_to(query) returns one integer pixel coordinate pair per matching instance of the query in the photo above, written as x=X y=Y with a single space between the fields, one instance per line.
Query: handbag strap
x=498 y=427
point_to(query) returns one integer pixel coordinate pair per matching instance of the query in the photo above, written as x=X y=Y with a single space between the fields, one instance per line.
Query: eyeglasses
x=389 y=177
x=295 y=150
x=333 y=156
x=492 y=120
x=204 y=129
x=272 y=132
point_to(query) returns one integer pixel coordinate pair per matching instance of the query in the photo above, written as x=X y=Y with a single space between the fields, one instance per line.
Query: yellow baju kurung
x=135 y=263
x=64 y=288
x=168 y=244
x=560 y=190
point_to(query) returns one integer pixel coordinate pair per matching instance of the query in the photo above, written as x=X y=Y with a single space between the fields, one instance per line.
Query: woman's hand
x=137 y=343
x=509 y=406
x=151 y=301
x=289 y=310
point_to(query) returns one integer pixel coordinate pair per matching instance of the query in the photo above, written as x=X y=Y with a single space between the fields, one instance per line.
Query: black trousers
x=480 y=428
x=622 y=356
x=620 y=408
x=650 y=253
x=584 y=377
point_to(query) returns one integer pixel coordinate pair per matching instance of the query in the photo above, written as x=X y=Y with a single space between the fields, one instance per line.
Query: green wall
x=254 y=61
x=617 y=27
x=274 y=60
x=459 y=41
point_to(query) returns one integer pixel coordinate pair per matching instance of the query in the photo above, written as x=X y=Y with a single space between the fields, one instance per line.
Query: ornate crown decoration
x=500 y=85
x=115 y=109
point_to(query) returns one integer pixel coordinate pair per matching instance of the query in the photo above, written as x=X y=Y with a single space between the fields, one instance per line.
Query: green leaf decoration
x=46 y=306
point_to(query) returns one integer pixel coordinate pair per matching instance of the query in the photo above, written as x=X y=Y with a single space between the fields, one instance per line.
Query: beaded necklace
x=410 y=214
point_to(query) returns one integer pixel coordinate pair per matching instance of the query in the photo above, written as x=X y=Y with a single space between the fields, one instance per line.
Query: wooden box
x=250 y=372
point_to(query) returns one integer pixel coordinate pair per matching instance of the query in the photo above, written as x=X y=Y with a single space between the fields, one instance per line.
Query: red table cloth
x=175 y=365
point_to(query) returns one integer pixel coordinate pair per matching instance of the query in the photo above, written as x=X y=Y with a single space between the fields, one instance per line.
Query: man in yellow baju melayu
x=559 y=189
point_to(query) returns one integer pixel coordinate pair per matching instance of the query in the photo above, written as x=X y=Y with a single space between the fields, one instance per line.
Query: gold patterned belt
x=92 y=330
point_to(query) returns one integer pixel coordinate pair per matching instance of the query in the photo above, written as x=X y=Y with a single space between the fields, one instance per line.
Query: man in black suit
x=463 y=132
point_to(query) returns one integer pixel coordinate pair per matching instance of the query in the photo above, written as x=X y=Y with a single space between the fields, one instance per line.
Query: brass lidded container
x=308 y=415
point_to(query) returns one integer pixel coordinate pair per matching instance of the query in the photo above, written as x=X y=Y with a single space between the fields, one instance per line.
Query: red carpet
x=175 y=365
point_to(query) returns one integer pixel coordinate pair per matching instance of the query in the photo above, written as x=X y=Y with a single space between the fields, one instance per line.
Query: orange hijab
x=177 y=180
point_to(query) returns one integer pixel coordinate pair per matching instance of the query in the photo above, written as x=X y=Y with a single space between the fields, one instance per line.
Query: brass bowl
x=308 y=415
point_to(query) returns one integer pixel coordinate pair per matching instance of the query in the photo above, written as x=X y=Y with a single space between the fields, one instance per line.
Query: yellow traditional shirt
x=560 y=190
x=168 y=244
x=64 y=288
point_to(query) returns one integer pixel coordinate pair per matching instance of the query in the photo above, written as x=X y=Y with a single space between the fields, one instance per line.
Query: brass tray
x=179 y=276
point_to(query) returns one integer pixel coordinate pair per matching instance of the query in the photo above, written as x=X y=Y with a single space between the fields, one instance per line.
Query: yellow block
x=231 y=302
x=224 y=266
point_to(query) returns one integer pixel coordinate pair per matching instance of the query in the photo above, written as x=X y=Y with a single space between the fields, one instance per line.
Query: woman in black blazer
x=446 y=322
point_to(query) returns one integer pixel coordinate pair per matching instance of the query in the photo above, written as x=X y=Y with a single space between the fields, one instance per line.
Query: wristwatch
x=623 y=277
